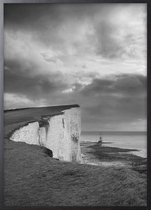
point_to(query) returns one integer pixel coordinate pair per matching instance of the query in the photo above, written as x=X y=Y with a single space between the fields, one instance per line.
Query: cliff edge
x=57 y=128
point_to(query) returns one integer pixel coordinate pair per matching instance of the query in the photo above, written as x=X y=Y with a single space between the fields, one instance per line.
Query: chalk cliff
x=59 y=132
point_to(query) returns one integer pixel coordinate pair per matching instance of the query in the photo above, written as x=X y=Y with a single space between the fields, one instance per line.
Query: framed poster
x=75 y=104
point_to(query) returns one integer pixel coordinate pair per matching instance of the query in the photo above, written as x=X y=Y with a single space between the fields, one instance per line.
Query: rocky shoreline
x=102 y=155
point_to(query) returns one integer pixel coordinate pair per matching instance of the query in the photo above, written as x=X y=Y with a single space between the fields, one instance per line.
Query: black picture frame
x=2 y=165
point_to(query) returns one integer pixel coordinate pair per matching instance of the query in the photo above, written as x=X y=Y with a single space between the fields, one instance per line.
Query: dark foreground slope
x=32 y=178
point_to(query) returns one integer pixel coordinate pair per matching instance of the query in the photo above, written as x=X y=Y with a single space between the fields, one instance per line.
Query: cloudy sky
x=93 y=55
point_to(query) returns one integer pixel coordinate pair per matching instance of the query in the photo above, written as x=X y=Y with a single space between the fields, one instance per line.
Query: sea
x=126 y=140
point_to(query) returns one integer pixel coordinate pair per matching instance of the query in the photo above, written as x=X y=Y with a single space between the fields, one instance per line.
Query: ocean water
x=126 y=140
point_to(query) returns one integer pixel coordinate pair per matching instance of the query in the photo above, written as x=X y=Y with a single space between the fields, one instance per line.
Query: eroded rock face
x=59 y=133
x=27 y=133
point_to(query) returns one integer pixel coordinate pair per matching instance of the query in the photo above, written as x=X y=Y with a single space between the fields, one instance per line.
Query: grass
x=32 y=178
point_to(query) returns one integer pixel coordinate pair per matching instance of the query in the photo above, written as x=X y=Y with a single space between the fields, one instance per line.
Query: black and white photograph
x=75 y=104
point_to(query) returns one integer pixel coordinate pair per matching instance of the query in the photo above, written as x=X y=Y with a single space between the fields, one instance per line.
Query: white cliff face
x=59 y=133
x=28 y=134
x=73 y=119
x=58 y=138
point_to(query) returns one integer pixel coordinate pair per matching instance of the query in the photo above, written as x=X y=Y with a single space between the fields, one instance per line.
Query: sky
x=93 y=55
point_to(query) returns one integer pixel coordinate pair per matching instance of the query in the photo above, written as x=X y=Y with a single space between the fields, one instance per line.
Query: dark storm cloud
x=41 y=20
x=116 y=99
x=56 y=25
x=50 y=25
x=112 y=109
x=34 y=15
x=125 y=84
x=19 y=80
x=131 y=84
